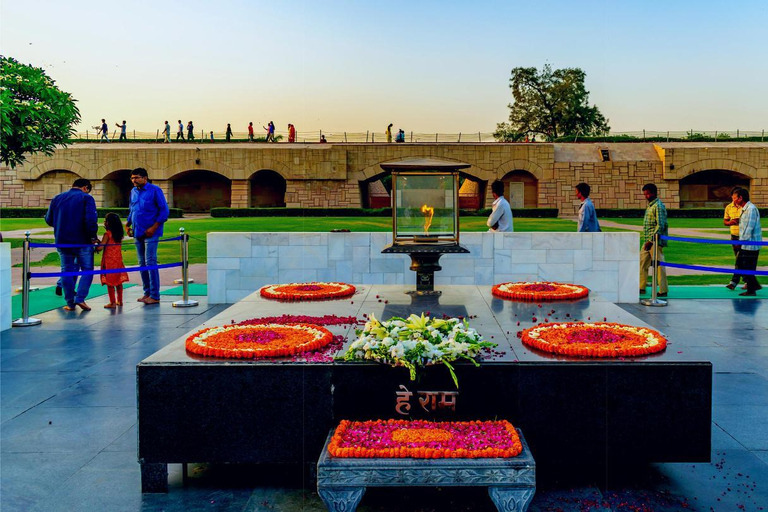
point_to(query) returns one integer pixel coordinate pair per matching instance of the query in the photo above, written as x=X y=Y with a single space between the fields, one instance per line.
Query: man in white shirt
x=500 y=220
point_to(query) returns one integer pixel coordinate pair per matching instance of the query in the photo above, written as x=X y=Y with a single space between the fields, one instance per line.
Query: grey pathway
x=68 y=423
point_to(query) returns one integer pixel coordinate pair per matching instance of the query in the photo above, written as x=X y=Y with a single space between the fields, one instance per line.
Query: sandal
x=111 y=305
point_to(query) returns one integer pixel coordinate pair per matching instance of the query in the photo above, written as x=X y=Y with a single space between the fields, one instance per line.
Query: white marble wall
x=5 y=286
x=240 y=263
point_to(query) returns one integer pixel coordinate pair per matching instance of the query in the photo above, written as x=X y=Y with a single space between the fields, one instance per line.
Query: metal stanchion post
x=25 y=320
x=654 y=301
x=185 y=301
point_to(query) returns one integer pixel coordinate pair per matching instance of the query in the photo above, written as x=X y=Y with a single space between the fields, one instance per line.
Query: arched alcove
x=521 y=188
x=267 y=189
x=710 y=188
x=199 y=191
x=117 y=189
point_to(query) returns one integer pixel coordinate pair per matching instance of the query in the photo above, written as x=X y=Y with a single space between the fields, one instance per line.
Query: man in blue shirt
x=749 y=231
x=148 y=212
x=75 y=222
x=587 y=215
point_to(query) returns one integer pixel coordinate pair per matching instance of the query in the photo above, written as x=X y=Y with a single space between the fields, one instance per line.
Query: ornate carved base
x=341 y=482
x=341 y=499
x=511 y=499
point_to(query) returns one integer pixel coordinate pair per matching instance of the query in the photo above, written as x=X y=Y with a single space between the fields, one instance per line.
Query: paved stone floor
x=68 y=423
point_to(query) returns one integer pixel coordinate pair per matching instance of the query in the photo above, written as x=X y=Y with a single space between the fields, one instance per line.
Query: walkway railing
x=204 y=136
x=654 y=301
x=27 y=275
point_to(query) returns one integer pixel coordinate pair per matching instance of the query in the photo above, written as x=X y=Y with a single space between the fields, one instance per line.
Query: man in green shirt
x=654 y=222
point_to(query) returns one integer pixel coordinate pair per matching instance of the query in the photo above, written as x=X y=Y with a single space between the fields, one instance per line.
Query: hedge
x=34 y=213
x=360 y=212
x=682 y=213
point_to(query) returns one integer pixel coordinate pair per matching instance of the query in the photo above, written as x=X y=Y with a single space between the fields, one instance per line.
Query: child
x=113 y=259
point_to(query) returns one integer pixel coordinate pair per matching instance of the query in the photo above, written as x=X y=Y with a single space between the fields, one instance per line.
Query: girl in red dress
x=113 y=259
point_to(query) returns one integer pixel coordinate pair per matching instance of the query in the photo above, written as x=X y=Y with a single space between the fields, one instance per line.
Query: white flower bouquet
x=415 y=342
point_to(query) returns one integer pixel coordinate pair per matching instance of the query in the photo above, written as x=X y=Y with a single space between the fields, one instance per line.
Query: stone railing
x=241 y=263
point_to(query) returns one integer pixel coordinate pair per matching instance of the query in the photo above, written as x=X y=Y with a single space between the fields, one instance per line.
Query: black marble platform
x=574 y=411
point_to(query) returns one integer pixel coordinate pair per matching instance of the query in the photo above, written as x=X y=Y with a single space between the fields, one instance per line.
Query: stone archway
x=710 y=188
x=201 y=190
x=267 y=189
x=48 y=185
x=116 y=189
x=521 y=188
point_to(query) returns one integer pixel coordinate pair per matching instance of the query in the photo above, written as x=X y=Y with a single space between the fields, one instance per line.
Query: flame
x=428 y=213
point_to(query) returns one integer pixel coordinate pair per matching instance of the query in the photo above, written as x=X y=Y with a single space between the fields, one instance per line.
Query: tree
x=554 y=103
x=35 y=115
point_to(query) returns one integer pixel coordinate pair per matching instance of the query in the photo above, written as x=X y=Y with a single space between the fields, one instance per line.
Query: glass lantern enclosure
x=425 y=207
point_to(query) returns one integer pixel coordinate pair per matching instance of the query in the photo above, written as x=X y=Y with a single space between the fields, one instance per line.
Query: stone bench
x=341 y=482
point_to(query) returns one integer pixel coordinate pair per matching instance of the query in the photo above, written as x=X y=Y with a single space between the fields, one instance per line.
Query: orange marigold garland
x=307 y=291
x=598 y=339
x=425 y=440
x=539 y=291
x=258 y=341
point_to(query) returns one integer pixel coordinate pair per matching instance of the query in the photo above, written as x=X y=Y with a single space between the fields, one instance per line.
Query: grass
x=197 y=228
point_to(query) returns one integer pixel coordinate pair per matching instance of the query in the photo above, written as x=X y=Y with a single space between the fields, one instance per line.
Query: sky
x=426 y=66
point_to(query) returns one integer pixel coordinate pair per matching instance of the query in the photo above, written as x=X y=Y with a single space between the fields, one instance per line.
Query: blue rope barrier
x=711 y=241
x=41 y=244
x=107 y=271
x=716 y=269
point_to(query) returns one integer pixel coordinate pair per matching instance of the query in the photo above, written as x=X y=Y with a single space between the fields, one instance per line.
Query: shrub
x=36 y=213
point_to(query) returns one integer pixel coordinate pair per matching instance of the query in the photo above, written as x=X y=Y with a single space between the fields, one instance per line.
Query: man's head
x=582 y=191
x=83 y=184
x=179 y=121
x=650 y=191
x=139 y=177
x=497 y=188
x=103 y=121
x=123 y=121
x=740 y=197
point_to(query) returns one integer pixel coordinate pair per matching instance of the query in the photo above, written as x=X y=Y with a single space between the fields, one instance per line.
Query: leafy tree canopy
x=35 y=115
x=554 y=103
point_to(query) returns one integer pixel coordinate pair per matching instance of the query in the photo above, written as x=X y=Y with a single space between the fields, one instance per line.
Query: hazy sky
x=425 y=66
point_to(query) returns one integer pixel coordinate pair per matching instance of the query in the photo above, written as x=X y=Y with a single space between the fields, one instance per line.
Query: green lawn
x=675 y=223
x=197 y=228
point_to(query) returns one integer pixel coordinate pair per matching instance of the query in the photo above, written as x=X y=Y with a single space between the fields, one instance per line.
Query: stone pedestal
x=6 y=311
x=341 y=482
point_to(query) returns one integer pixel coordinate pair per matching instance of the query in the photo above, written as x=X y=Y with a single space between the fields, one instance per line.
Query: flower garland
x=600 y=339
x=539 y=290
x=258 y=341
x=324 y=354
x=425 y=440
x=415 y=342
x=307 y=291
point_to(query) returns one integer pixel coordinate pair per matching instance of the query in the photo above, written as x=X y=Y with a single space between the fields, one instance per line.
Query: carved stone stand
x=341 y=482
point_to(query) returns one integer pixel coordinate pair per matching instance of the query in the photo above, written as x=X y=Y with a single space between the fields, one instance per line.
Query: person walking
x=191 y=131
x=147 y=214
x=250 y=131
x=587 y=215
x=103 y=130
x=167 y=132
x=229 y=132
x=180 y=131
x=731 y=219
x=389 y=134
x=749 y=231
x=270 y=128
x=73 y=216
x=654 y=223
x=123 y=128
x=112 y=259
x=500 y=219
x=291 y=133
